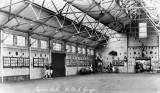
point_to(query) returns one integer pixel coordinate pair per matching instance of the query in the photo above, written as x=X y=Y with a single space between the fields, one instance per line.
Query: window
x=43 y=44
x=34 y=43
x=57 y=46
x=79 y=50
x=8 y=39
x=83 y=51
x=88 y=51
x=73 y=49
x=21 y=41
x=68 y=48
x=92 y=52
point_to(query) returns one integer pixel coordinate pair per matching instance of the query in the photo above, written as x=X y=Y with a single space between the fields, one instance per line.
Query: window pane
x=92 y=52
x=68 y=48
x=21 y=41
x=8 y=39
x=57 y=47
x=73 y=49
x=79 y=50
x=88 y=51
x=83 y=51
x=34 y=43
x=43 y=44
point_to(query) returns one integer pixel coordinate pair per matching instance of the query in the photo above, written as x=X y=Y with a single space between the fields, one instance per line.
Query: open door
x=58 y=63
x=146 y=62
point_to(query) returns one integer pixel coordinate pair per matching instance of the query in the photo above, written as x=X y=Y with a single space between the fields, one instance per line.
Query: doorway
x=145 y=62
x=58 y=64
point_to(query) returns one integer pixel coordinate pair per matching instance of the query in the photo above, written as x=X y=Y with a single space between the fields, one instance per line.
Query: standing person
x=96 y=65
x=111 y=66
x=47 y=71
x=141 y=67
x=51 y=71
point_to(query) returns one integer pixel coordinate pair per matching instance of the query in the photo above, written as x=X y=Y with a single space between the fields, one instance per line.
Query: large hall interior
x=79 y=46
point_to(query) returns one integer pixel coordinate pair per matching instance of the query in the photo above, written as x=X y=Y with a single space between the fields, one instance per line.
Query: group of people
x=48 y=71
x=139 y=67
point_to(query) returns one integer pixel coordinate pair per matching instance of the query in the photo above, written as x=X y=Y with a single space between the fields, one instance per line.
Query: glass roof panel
x=70 y=12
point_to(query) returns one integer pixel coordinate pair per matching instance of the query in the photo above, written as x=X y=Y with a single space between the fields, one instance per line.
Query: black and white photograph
x=79 y=46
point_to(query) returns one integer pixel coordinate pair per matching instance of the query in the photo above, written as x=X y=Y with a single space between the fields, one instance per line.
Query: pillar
x=29 y=51
x=1 y=55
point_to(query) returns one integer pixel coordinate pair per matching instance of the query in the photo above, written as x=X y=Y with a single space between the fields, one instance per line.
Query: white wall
x=132 y=49
x=151 y=44
x=117 y=43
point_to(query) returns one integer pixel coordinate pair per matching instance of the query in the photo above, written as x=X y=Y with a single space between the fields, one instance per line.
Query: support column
x=86 y=47
x=127 y=50
x=76 y=52
x=29 y=51
x=50 y=51
x=158 y=50
x=64 y=50
x=1 y=55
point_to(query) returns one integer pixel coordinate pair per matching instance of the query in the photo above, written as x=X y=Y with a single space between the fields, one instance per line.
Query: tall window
x=92 y=52
x=83 y=51
x=68 y=48
x=79 y=50
x=8 y=39
x=43 y=44
x=21 y=41
x=34 y=43
x=88 y=51
x=73 y=49
x=57 y=46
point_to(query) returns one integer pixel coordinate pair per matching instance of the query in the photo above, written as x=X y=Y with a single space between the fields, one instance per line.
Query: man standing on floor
x=51 y=71
x=47 y=71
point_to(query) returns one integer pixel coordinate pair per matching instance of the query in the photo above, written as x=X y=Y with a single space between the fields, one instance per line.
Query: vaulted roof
x=84 y=21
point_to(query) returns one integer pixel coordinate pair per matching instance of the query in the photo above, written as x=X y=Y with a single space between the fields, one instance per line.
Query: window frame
x=56 y=49
x=34 y=42
x=43 y=44
x=19 y=43
x=6 y=38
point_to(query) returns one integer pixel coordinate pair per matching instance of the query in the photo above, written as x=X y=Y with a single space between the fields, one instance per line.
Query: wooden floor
x=94 y=83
